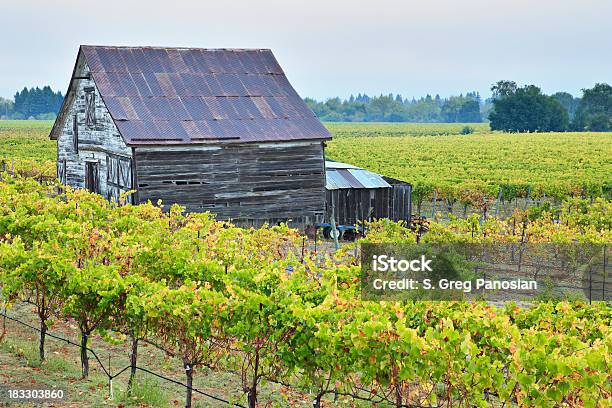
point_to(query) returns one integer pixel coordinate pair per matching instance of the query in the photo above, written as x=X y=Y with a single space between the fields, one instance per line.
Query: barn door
x=92 y=177
x=118 y=177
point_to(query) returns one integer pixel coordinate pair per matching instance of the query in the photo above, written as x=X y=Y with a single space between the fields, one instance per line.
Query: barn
x=218 y=130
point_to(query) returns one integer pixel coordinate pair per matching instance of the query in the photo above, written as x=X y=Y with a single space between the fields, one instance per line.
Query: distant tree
x=6 y=108
x=470 y=111
x=334 y=104
x=22 y=102
x=486 y=108
x=474 y=95
x=556 y=118
x=45 y=116
x=461 y=109
x=382 y=107
x=525 y=109
x=425 y=110
x=568 y=101
x=363 y=98
x=438 y=100
x=503 y=88
x=35 y=102
x=316 y=107
x=334 y=117
x=594 y=112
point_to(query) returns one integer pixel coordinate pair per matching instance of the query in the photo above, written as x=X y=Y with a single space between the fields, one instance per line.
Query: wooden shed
x=355 y=194
x=218 y=130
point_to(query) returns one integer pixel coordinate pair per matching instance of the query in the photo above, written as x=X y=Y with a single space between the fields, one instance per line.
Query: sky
x=331 y=48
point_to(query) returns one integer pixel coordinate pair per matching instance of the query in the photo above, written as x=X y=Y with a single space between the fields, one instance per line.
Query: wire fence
x=106 y=369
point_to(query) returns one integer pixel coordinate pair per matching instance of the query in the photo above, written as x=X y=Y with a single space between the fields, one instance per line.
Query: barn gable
x=87 y=135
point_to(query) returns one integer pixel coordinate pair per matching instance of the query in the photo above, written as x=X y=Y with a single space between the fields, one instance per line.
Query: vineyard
x=283 y=324
x=260 y=305
x=348 y=129
x=463 y=169
x=25 y=147
x=472 y=168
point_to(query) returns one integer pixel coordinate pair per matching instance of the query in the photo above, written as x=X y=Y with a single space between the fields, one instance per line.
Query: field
x=557 y=165
x=257 y=318
x=342 y=129
x=25 y=145
x=430 y=156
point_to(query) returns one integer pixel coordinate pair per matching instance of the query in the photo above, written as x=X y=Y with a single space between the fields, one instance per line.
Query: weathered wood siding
x=351 y=206
x=248 y=182
x=99 y=142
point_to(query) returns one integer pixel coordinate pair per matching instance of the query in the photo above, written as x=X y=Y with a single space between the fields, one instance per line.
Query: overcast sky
x=331 y=47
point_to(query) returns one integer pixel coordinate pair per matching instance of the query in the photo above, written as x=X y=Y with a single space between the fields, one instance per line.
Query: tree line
x=466 y=108
x=33 y=103
x=510 y=108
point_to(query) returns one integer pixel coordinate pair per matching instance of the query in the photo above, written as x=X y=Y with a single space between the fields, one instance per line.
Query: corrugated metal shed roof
x=329 y=164
x=341 y=176
x=334 y=181
x=191 y=95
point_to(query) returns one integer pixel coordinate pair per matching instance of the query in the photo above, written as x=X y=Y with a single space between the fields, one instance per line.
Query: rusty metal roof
x=342 y=176
x=190 y=95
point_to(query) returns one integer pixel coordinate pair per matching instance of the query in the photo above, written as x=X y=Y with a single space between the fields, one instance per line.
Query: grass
x=21 y=367
x=146 y=391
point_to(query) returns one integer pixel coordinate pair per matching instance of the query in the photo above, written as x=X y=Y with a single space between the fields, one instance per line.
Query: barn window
x=75 y=134
x=61 y=171
x=90 y=107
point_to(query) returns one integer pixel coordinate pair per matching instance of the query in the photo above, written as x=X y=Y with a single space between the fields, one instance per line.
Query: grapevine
x=250 y=302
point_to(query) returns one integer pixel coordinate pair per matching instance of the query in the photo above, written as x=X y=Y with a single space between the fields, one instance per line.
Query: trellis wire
x=111 y=376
